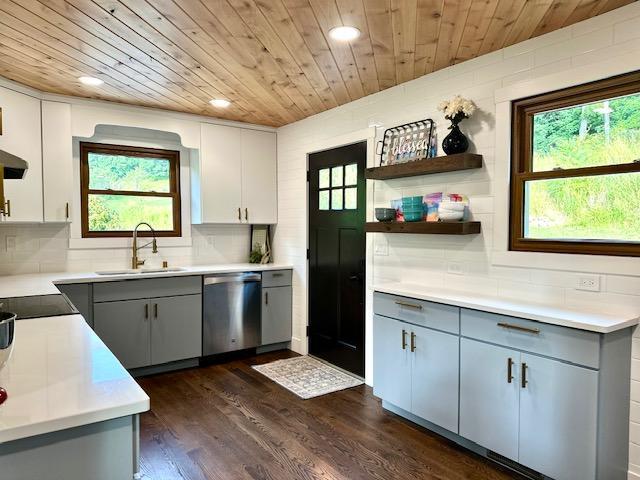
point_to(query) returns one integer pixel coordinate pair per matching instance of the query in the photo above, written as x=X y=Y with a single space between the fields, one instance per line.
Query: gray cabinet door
x=558 y=418
x=434 y=376
x=276 y=315
x=176 y=328
x=125 y=328
x=489 y=397
x=392 y=361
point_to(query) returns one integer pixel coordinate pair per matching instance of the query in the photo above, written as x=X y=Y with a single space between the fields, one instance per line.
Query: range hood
x=14 y=167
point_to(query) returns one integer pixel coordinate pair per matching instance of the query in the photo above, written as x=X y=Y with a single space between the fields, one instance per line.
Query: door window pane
x=603 y=207
x=336 y=199
x=351 y=198
x=336 y=176
x=323 y=200
x=323 y=178
x=587 y=135
x=351 y=174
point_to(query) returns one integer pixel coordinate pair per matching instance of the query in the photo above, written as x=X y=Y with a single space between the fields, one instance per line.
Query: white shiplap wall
x=601 y=46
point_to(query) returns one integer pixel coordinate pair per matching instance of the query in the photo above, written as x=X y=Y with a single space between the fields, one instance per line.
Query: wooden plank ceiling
x=273 y=59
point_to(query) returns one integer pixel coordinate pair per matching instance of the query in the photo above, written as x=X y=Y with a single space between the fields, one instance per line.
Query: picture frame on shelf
x=409 y=142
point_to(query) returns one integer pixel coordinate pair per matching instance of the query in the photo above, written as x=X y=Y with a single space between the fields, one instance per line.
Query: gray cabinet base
x=100 y=451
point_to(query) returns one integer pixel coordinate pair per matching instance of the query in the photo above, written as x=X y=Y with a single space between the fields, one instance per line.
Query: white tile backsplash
x=426 y=259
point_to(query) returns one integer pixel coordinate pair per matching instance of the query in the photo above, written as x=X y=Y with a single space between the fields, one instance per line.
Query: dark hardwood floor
x=227 y=421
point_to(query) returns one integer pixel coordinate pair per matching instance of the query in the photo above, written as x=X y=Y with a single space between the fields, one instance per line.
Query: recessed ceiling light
x=93 y=81
x=344 y=34
x=220 y=102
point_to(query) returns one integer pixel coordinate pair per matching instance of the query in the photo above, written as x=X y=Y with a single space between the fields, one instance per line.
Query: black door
x=337 y=196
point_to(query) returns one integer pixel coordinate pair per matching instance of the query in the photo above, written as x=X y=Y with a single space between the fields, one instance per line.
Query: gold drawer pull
x=413 y=342
x=520 y=328
x=404 y=339
x=524 y=376
x=509 y=370
x=409 y=305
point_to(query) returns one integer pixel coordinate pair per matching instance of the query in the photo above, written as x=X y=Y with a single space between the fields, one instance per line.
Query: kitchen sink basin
x=139 y=271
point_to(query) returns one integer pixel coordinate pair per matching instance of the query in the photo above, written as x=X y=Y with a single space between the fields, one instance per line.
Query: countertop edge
x=448 y=298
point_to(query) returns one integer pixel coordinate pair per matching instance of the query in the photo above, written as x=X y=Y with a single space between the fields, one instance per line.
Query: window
x=122 y=186
x=337 y=187
x=575 y=173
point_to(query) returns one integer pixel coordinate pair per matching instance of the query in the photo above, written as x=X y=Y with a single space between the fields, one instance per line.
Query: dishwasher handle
x=240 y=278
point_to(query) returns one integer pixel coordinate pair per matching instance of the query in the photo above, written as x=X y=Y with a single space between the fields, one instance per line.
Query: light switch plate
x=590 y=283
x=455 y=268
x=10 y=243
x=381 y=247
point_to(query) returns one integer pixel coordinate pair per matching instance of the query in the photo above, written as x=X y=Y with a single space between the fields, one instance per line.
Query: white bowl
x=450 y=215
x=456 y=206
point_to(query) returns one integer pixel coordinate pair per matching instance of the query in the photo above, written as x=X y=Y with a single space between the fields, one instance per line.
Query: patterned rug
x=307 y=377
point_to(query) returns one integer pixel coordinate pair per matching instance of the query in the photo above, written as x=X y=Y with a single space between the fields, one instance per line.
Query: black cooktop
x=37 y=306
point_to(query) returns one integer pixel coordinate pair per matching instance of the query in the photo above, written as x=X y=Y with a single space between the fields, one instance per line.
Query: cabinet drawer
x=276 y=278
x=420 y=312
x=147 y=288
x=576 y=346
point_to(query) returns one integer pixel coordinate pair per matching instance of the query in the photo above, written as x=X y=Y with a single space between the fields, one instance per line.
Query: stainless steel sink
x=140 y=271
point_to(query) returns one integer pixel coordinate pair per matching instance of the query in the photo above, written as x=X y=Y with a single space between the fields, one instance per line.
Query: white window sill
x=125 y=242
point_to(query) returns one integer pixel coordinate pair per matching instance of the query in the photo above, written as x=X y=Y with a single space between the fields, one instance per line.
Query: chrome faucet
x=135 y=263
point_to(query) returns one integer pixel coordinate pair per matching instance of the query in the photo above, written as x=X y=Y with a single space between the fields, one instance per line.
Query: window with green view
x=123 y=186
x=576 y=170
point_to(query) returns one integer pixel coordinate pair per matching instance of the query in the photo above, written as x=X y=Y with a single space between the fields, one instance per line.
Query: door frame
x=365 y=135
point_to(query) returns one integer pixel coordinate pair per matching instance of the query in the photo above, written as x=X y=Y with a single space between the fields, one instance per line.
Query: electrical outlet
x=210 y=240
x=10 y=243
x=589 y=282
x=454 y=268
x=381 y=249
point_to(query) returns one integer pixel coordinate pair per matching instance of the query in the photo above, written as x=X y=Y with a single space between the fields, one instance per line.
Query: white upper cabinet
x=259 y=197
x=233 y=180
x=57 y=161
x=21 y=137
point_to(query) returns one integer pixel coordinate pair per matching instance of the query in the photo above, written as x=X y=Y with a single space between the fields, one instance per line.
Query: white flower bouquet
x=457 y=109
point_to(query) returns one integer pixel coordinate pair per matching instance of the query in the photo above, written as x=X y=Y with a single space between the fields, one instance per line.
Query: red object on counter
x=3 y=395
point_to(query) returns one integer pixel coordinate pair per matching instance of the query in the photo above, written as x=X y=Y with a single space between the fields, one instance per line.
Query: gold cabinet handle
x=155 y=310
x=7 y=209
x=66 y=210
x=509 y=370
x=524 y=376
x=239 y=214
x=246 y=214
x=520 y=328
x=404 y=339
x=277 y=275
x=413 y=342
x=266 y=298
x=146 y=310
x=409 y=305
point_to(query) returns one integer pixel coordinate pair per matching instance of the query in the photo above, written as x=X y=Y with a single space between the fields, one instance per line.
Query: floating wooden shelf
x=427 y=166
x=437 y=228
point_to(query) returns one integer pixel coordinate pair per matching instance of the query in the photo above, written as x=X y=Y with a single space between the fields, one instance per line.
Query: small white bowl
x=456 y=206
x=450 y=216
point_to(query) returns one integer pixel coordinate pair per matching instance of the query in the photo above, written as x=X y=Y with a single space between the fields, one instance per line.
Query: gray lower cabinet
x=276 y=315
x=416 y=368
x=176 y=328
x=153 y=331
x=125 y=328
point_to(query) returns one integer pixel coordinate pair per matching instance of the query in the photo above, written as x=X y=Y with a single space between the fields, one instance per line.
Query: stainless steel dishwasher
x=231 y=312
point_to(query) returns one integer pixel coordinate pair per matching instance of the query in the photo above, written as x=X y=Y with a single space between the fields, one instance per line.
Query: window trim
x=174 y=187
x=522 y=112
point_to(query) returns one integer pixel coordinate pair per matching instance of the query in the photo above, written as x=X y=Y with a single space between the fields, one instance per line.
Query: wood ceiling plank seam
x=506 y=14
x=352 y=13
x=429 y=15
x=85 y=21
x=24 y=77
x=171 y=55
x=478 y=21
x=235 y=37
x=403 y=21
x=529 y=18
x=609 y=5
x=253 y=18
x=556 y=17
x=29 y=18
x=42 y=58
x=582 y=11
x=454 y=18
x=378 y=13
x=277 y=16
x=66 y=31
x=308 y=29
x=147 y=13
x=221 y=84
x=327 y=16
x=29 y=31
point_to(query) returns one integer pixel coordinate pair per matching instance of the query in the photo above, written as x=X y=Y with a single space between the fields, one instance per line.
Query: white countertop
x=44 y=283
x=60 y=375
x=583 y=319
